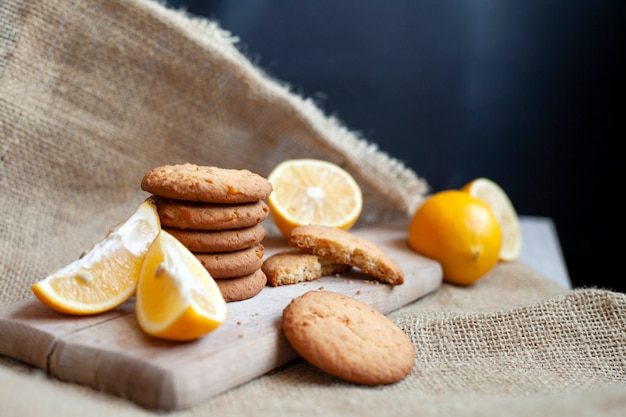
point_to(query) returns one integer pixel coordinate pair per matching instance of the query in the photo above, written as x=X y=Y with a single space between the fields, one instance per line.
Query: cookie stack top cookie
x=190 y=182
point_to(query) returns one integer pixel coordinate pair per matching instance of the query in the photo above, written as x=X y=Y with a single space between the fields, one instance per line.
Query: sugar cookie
x=347 y=338
x=206 y=183
x=209 y=216
x=296 y=265
x=344 y=247
x=232 y=264
x=219 y=240
x=242 y=288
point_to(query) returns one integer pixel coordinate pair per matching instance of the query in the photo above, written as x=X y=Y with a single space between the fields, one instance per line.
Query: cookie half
x=296 y=265
x=206 y=183
x=242 y=288
x=219 y=240
x=346 y=248
x=347 y=338
x=232 y=264
x=209 y=216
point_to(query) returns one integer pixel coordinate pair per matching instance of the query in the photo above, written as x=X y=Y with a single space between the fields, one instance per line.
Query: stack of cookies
x=216 y=213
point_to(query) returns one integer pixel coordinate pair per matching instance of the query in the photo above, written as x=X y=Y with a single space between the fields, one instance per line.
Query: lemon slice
x=107 y=274
x=311 y=191
x=177 y=299
x=496 y=198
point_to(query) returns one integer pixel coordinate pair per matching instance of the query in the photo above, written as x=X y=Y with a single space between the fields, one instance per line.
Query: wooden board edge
x=30 y=320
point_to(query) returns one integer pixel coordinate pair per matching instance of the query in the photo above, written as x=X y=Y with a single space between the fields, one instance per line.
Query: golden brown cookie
x=347 y=338
x=219 y=240
x=296 y=265
x=242 y=288
x=344 y=247
x=232 y=264
x=209 y=216
x=206 y=183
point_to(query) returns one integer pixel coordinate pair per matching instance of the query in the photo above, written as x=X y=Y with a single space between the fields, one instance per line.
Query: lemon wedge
x=177 y=299
x=106 y=275
x=497 y=199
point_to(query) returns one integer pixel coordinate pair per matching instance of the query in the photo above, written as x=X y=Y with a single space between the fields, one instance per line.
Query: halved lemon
x=177 y=299
x=312 y=191
x=496 y=198
x=107 y=274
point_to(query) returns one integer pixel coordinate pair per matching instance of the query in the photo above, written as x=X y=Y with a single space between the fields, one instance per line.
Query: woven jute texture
x=94 y=93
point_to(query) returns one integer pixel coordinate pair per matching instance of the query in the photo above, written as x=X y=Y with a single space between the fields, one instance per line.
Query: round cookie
x=293 y=266
x=206 y=183
x=242 y=288
x=232 y=264
x=209 y=216
x=219 y=240
x=344 y=247
x=347 y=338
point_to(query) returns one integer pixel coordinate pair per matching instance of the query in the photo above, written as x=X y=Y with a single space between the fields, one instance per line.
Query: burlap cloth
x=95 y=93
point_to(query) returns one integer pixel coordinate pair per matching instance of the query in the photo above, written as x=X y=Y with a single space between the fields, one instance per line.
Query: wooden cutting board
x=110 y=353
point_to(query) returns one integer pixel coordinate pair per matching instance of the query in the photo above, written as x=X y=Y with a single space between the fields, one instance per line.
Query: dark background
x=528 y=93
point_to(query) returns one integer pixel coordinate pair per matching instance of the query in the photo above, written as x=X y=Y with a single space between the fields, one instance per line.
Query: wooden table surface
x=541 y=249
